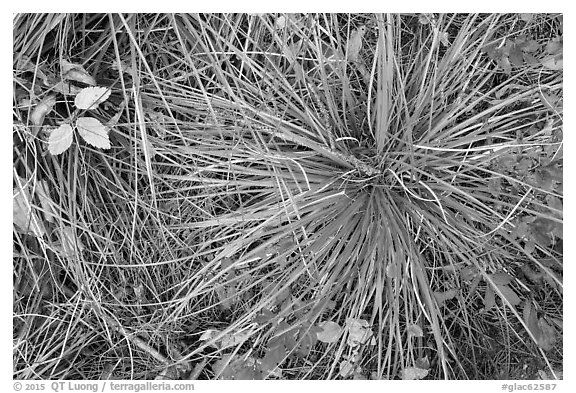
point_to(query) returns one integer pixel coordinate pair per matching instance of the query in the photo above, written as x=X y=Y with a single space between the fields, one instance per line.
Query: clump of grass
x=265 y=178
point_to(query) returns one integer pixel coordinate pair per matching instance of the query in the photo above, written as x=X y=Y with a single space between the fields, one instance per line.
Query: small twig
x=195 y=373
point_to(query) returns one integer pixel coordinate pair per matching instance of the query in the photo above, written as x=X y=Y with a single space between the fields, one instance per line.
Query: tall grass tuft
x=270 y=173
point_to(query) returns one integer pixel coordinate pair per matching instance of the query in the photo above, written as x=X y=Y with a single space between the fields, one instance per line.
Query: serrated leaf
x=330 y=332
x=413 y=373
x=91 y=97
x=60 y=139
x=93 y=132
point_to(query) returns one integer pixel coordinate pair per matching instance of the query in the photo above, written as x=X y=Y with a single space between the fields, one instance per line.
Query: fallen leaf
x=441 y=297
x=391 y=270
x=264 y=317
x=422 y=363
x=358 y=331
x=225 y=367
x=22 y=214
x=526 y=17
x=330 y=332
x=90 y=97
x=504 y=63
x=529 y=246
x=554 y=47
x=228 y=340
x=346 y=368
x=75 y=72
x=530 y=46
x=233 y=339
x=66 y=88
x=554 y=63
x=274 y=356
x=415 y=331
x=547 y=337
x=489 y=297
x=516 y=56
x=413 y=373
x=543 y=374
x=531 y=319
x=468 y=273
x=507 y=293
x=558 y=322
x=60 y=139
x=93 y=132
x=42 y=109
x=501 y=278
